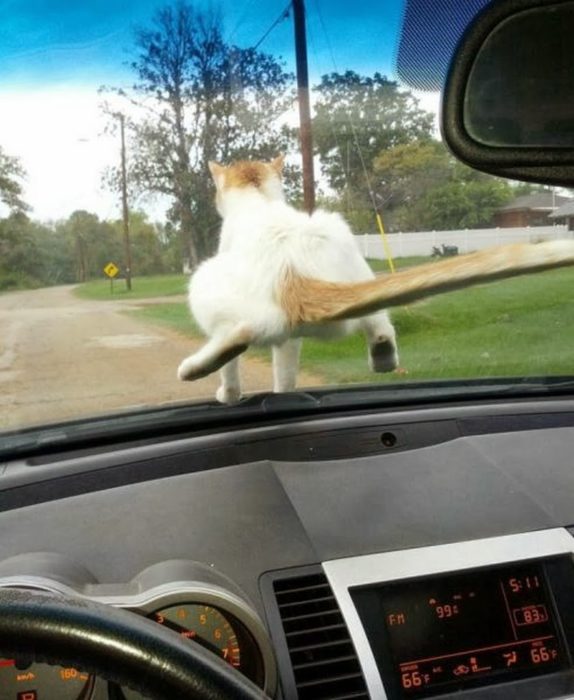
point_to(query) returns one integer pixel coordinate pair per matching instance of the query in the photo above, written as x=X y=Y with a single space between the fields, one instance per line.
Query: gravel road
x=62 y=357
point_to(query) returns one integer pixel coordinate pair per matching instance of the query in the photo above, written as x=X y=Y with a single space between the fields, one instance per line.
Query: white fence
x=422 y=242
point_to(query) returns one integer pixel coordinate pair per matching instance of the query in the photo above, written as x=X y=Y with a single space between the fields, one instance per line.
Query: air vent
x=323 y=659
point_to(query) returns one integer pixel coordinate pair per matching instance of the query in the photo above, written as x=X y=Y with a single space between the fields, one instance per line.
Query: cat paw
x=383 y=356
x=188 y=370
x=228 y=395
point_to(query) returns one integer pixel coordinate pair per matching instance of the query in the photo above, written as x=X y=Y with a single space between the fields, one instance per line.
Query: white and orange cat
x=280 y=274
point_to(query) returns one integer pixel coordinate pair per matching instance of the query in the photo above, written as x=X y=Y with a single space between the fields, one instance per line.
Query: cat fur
x=280 y=275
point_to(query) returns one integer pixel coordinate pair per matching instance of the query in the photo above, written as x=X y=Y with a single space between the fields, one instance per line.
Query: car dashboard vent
x=323 y=659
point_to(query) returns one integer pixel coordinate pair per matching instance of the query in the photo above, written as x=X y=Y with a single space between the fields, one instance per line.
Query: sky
x=55 y=54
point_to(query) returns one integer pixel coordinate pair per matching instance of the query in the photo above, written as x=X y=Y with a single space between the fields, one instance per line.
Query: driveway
x=62 y=357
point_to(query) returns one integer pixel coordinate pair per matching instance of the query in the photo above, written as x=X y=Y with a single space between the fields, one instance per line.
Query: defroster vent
x=323 y=659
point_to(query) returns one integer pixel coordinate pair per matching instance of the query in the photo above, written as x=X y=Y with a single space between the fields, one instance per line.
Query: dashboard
x=320 y=557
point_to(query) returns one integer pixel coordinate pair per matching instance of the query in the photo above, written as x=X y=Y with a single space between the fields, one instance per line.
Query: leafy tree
x=11 y=173
x=459 y=204
x=522 y=188
x=201 y=100
x=94 y=244
x=31 y=254
x=425 y=187
x=403 y=174
x=147 y=243
x=356 y=118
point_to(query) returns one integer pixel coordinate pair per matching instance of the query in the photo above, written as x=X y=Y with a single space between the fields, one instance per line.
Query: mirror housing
x=508 y=102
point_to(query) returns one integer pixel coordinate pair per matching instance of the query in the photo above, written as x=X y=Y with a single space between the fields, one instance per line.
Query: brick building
x=530 y=210
x=564 y=215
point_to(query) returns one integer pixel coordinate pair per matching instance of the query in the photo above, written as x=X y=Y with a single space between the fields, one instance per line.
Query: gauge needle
x=203 y=642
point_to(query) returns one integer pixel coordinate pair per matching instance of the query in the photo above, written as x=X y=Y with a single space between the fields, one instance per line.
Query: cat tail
x=314 y=301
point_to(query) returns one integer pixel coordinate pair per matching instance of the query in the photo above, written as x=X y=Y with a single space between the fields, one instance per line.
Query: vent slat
x=339 y=678
x=295 y=591
x=317 y=630
x=324 y=662
x=311 y=616
x=323 y=659
x=316 y=601
x=319 y=645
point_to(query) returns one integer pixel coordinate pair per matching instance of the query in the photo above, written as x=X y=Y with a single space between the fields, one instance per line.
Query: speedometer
x=205 y=625
x=215 y=630
x=191 y=599
x=32 y=681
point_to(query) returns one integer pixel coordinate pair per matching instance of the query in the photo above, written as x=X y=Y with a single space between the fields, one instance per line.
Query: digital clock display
x=438 y=634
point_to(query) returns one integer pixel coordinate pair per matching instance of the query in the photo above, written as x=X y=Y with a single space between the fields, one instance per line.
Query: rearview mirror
x=508 y=106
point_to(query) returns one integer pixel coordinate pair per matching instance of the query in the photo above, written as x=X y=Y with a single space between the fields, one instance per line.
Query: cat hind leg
x=381 y=337
x=217 y=352
x=286 y=365
x=230 y=390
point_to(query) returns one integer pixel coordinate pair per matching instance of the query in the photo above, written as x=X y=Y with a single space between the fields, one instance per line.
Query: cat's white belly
x=222 y=296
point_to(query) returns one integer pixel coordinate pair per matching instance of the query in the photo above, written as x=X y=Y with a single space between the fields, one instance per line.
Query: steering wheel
x=117 y=645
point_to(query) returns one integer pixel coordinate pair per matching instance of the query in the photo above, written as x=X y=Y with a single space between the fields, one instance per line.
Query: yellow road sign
x=111 y=269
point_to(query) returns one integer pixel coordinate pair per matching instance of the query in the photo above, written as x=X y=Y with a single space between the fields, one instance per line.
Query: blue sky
x=54 y=54
x=55 y=41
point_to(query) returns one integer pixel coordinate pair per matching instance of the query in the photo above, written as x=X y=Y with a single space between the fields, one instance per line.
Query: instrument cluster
x=189 y=598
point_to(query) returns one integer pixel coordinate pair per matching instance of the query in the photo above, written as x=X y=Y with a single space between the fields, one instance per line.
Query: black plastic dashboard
x=252 y=501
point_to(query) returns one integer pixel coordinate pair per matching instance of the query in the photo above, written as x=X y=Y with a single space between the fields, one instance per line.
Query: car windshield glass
x=119 y=125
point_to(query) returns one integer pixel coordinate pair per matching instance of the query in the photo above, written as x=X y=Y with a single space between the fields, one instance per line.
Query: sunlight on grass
x=142 y=288
x=518 y=327
x=171 y=285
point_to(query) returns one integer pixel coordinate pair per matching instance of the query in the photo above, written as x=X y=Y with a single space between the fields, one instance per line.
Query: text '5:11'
x=524 y=583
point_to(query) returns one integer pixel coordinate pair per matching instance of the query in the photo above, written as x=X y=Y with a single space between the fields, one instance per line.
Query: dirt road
x=62 y=357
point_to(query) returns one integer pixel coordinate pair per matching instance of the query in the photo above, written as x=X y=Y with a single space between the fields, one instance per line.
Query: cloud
x=58 y=136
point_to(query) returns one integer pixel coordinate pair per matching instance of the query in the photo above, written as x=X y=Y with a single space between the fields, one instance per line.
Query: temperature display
x=462 y=630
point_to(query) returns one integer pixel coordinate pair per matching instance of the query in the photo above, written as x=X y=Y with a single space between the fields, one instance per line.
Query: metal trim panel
x=347 y=573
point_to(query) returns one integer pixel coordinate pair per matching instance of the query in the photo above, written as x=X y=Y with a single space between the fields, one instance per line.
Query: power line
x=348 y=116
x=241 y=20
x=357 y=145
x=283 y=16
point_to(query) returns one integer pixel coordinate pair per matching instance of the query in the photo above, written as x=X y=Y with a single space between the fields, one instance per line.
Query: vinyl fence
x=422 y=242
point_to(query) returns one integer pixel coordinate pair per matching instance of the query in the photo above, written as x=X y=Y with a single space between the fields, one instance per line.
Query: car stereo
x=433 y=635
x=463 y=617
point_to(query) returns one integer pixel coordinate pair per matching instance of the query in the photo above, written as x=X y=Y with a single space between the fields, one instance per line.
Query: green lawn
x=170 y=285
x=142 y=288
x=523 y=326
x=399 y=263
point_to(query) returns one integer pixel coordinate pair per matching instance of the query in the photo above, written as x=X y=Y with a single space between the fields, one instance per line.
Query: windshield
x=118 y=124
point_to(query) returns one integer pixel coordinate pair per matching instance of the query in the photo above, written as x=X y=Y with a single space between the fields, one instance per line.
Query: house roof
x=565 y=210
x=539 y=200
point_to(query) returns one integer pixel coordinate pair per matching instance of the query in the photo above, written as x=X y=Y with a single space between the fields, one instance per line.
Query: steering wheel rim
x=116 y=645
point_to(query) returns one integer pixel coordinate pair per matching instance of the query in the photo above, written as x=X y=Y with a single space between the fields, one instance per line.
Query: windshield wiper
x=165 y=422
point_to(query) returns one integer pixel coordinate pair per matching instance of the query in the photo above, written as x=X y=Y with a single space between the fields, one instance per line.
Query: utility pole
x=304 y=107
x=125 y=210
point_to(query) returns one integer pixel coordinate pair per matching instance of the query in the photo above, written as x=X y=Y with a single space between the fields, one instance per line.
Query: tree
x=31 y=254
x=403 y=174
x=356 y=118
x=461 y=204
x=11 y=172
x=148 y=245
x=425 y=187
x=201 y=100
x=94 y=243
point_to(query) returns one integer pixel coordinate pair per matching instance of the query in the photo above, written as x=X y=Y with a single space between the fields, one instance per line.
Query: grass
x=518 y=327
x=142 y=288
x=171 y=285
x=399 y=263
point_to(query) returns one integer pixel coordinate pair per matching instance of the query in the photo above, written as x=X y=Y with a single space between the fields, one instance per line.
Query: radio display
x=440 y=634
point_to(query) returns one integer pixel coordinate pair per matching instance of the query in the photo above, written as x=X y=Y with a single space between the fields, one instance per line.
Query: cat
x=280 y=275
